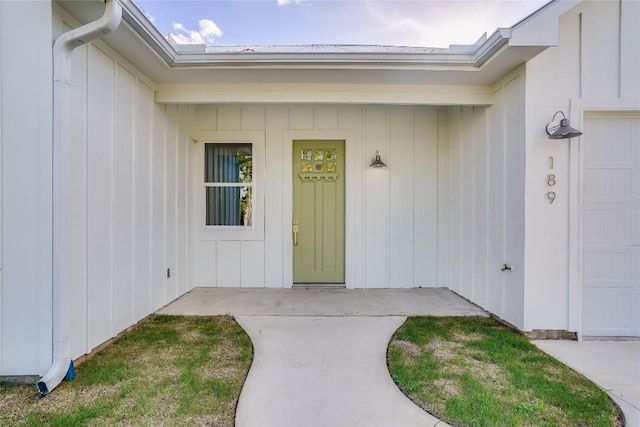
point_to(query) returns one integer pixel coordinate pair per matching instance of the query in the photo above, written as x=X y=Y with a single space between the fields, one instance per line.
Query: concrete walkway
x=613 y=365
x=320 y=354
x=323 y=371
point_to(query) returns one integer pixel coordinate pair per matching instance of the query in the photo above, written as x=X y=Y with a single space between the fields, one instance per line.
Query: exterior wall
x=594 y=68
x=129 y=200
x=128 y=207
x=391 y=214
x=25 y=137
x=481 y=199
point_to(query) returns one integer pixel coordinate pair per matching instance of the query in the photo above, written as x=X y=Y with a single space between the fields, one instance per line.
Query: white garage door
x=611 y=225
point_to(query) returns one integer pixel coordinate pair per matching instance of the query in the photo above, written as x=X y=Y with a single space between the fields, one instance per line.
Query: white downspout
x=61 y=283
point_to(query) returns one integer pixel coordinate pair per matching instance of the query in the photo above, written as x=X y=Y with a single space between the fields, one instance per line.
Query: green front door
x=318 y=212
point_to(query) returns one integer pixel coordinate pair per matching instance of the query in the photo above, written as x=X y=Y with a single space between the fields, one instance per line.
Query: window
x=228 y=182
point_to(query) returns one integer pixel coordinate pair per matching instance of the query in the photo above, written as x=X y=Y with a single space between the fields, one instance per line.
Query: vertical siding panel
x=600 y=51
x=229 y=118
x=495 y=211
x=170 y=206
x=629 y=52
x=467 y=201
x=26 y=89
x=326 y=118
x=206 y=118
x=514 y=202
x=142 y=201
x=444 y=200
x=425 y=195
x=158 y=269
x=2 y=82
x=401 y=220
x=302 y=118
x=229 y=263
x=123 y=199
x=100 y=198
x=78 y=208
x=352 y=118
x=481 y=237
x=252 y=264
x=277 y=119
x=376 y=240
x=182 y=200
x=206 y=263
x=455 y=200
x=253 y=118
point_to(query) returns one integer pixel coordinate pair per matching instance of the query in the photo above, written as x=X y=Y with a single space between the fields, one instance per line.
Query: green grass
x=476 y=372
x=170 y=370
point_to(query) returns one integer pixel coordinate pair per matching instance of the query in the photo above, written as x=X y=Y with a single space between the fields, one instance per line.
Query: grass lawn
x=170 y=370
x=476 y=372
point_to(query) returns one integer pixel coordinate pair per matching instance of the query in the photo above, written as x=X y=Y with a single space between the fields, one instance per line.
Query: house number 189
x=551 y=181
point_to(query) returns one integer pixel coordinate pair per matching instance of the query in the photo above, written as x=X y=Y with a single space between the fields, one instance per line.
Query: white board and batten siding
x=25 y=188
x=391 y=214
x=481 y=201
x=129 y=204
x=592 y=71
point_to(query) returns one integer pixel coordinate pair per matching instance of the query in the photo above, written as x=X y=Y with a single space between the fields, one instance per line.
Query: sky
x=425 y=23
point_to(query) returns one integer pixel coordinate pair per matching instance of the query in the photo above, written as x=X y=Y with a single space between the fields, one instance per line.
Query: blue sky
x=432 y=23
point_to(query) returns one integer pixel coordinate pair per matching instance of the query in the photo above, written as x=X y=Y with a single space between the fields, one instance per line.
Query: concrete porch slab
x=322 y=302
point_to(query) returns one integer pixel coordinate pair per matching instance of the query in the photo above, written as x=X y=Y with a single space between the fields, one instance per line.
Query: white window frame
x=231 y=232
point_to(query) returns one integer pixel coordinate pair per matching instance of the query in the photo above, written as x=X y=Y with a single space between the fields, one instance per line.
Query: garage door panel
x=606 y=184
x=611 y=226
x=607 y=227
x=611 y=267
x=610 y=141
x=612 y=312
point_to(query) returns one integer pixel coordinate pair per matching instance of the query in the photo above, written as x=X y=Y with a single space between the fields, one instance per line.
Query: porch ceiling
x=473 y=66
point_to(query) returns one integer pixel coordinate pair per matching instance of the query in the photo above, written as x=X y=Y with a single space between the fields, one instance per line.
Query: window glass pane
x=228 y=206
x=228 y=163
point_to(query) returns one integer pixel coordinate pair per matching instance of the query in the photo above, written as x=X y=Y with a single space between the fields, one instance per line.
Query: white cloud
x=286 y=2
x=207 y=33
x=438 y=23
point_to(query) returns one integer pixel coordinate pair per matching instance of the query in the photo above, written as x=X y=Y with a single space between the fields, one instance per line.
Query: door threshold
x=319 y=286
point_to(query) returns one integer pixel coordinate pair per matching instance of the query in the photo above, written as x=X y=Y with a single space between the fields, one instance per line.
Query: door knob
x=295 y=232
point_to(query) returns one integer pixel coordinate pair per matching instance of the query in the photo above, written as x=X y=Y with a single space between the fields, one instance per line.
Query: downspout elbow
x=62 y=366
x=84 y=34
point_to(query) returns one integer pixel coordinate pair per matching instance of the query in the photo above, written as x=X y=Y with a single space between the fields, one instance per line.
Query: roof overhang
x=272 y=71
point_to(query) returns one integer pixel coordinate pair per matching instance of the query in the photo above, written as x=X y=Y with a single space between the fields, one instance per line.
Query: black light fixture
x=377 y=162
x=561 y=130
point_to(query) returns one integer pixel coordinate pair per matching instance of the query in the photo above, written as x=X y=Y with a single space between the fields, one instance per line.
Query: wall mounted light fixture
x=377 y=162
x=561 y=130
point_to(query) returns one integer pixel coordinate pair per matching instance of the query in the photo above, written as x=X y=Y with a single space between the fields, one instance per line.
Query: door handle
x=295 y=232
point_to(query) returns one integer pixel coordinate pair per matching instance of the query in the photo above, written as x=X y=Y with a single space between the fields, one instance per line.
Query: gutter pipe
x=64 y=45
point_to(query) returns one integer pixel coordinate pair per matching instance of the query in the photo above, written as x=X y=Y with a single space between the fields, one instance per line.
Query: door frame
x=350 y=188
x=580 y=110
